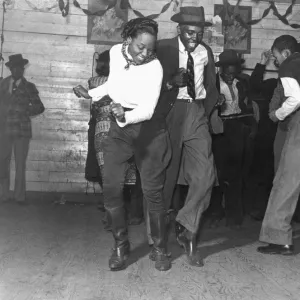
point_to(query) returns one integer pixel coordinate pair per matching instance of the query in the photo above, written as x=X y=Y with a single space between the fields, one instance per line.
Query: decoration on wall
x=42 y=8
x=64 y=8
x=106 y=19
x=177 y=5
x=282 y=18
x=106 y=28
x=9 y=4
x=125 y=4
x=5 y=3
x=236 y=30
x=214 y=37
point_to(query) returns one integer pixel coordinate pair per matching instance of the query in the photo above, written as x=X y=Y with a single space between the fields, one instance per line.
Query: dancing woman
x=137 y=129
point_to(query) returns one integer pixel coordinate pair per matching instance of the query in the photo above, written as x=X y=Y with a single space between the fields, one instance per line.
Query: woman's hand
x=118 y=111
x=80 y=91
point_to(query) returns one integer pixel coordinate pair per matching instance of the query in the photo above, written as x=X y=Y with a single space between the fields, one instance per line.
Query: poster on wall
x=213 y=36
x=106 y=25
x=237 y=34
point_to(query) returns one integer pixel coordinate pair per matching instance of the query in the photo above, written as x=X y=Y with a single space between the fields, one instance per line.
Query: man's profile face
x=280 y=57
x=190 y=36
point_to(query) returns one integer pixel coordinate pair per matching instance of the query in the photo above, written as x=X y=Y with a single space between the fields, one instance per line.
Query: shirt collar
x=181 y=46
x=127 y=53
x=17 y=82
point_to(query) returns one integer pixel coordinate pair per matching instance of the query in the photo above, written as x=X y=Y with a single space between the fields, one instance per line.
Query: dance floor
x=56 y=249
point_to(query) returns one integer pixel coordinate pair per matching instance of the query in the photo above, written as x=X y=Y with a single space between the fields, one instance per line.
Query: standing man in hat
x=233 y=149
x=19 y=100
x=189 y=95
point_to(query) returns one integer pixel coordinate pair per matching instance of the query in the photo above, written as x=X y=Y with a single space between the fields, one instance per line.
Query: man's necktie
x=14 y=86
x=190 y=77
x=231 y=91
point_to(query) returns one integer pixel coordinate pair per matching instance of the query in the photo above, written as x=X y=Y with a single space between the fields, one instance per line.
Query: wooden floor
x=52 y=251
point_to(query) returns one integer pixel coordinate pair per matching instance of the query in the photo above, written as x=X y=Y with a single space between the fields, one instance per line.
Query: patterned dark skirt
x=102 y=111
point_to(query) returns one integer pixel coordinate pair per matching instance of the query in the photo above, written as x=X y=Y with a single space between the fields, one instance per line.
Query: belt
x=188 y=100
x=230 y=117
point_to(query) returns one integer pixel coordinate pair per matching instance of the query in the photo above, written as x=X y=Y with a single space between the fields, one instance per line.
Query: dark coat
x=17 y=108
x=168 y=55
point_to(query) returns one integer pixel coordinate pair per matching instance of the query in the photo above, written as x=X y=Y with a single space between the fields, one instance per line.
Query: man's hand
x=118 y=111
x=221 y=100
x=265 y=57
x=80 y=91
x=273 y=117
x=179 y=79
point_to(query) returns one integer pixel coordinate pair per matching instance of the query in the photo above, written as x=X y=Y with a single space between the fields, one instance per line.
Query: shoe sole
x=276 y=253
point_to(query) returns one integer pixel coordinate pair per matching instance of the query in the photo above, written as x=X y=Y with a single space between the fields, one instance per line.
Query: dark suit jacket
x=168 y=55
x=17 y=108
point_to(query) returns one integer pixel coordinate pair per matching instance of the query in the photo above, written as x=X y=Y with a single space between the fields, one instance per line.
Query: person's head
x=230 y=72
x=140 y=34
x=283 y=47
x=16 y=64
x=190 y=35
x=230 y=65
x=191 y=24
x=102 y=68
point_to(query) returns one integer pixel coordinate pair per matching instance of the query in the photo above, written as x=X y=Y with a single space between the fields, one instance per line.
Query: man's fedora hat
x=16 y=60
x=191 y=15
x=229 y=57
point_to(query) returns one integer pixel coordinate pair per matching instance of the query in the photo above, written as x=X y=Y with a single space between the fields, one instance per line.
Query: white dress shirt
x=231 y=105
x=137 y=88
x=292 y=91
x=200 y=58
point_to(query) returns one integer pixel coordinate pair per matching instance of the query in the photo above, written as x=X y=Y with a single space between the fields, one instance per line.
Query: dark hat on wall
x=191 y=15
x=16 y=60
x=229 y=57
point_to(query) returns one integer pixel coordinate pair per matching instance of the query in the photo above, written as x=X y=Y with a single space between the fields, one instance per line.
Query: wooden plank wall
x=60 y=58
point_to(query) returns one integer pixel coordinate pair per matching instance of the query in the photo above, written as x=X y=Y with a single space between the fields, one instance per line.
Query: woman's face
x=142 y=46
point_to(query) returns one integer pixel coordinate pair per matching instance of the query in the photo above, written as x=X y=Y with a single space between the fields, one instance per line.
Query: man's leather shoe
x=161 y=258
x=188 y=241
x=119 y=256
x=277 y=249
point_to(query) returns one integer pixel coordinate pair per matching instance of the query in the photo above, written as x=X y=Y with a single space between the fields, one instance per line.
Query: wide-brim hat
x=16 y=60
x=191 y=15
x=229 y=57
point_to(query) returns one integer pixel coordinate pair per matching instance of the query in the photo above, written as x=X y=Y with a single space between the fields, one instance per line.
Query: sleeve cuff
x=121 y=124
x=278 y=115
